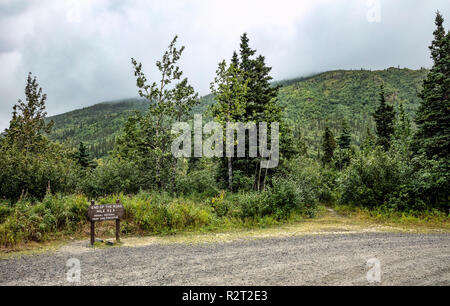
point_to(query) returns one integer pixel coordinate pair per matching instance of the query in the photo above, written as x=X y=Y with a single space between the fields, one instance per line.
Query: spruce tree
x=345 y=138
x=260 y=105
x=433 y=115
x=384 y=117
x=328 y=146
x=82 y=156
x=343 y=155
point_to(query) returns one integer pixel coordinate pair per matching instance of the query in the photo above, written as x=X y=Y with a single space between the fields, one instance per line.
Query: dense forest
x=309 y=103
x=372 y=139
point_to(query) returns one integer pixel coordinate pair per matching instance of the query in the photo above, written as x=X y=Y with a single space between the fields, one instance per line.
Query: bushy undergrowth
x=279 y=201
x=110 y=176
x=200 y=182
x=34 y=221
x=379 y=179
x=153 y=212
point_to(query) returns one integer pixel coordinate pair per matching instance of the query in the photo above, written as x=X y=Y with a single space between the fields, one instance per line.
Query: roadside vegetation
x=399 y=170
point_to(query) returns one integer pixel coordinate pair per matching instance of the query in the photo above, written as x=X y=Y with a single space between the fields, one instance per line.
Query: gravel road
x=405 y=259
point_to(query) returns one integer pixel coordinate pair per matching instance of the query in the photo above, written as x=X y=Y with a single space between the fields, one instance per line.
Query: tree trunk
x=230 y=174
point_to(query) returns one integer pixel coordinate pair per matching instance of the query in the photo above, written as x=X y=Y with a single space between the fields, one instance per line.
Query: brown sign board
x=105 y=212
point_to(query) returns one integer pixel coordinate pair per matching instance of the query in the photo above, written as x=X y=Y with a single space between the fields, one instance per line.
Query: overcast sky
x=80 y=50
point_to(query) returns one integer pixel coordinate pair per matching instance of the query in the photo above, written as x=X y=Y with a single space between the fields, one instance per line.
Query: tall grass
x=150 y=213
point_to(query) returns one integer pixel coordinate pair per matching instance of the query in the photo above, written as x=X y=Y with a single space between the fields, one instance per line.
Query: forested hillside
x=329 y=98
x=96 y=126
x=308 y=103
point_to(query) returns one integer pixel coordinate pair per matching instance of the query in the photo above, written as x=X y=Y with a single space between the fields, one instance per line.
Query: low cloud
x=80 y=50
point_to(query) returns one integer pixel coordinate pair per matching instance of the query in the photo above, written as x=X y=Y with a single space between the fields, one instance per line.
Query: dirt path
x=330 y=259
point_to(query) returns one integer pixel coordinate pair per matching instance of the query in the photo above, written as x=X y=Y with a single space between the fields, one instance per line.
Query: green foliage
x=327 y=98
x=146 y=139
x=31 y=165
x=429 y=184
x=96 y=126
x=309 y=104
x=279 y=201
x=230 y=90
x=33 y=174
x=82 y=156
x=257 y=103
x=402 y=140
x=151 y=212
x=328 y=146
x=433 y=116
x=384 y=117
x=317 y=181
x=387 y=179
x=27 y=125
x=111 y=176
x=344 y=139
x=197 y=182
x=159 y=213
x=369 y=141
x=371 y=179
x=342 y=157
x=34 y=222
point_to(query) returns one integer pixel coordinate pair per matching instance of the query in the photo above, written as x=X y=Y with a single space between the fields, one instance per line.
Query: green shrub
x=372 y=179
x=279 y=201
x=313 y=179
x=5 y=211
x=429 y=184
x=31 y=174
x=155 y=212
x=288 y=194
x=32 y=222
x=159 y=213
x=253 y=204
x=197 y=182
x=111 y=177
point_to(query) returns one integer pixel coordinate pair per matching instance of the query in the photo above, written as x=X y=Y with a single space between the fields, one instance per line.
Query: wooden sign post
x=106 y=212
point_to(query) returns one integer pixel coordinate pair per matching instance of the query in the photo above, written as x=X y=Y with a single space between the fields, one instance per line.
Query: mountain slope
x=96 y=125
x=328 y=98
x=308 y=103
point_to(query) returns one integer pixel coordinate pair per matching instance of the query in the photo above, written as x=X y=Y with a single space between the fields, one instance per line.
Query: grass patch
x=383 y=215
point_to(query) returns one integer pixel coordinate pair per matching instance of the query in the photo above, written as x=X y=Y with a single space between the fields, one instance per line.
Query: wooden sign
x=106 y=212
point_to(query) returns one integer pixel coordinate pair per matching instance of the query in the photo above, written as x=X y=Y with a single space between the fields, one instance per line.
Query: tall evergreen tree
x=260 y=105
x=343 y=155
x=328 y=146
x=433 y=115
x=344 y=139
x=384 y=117
x=82 y=156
